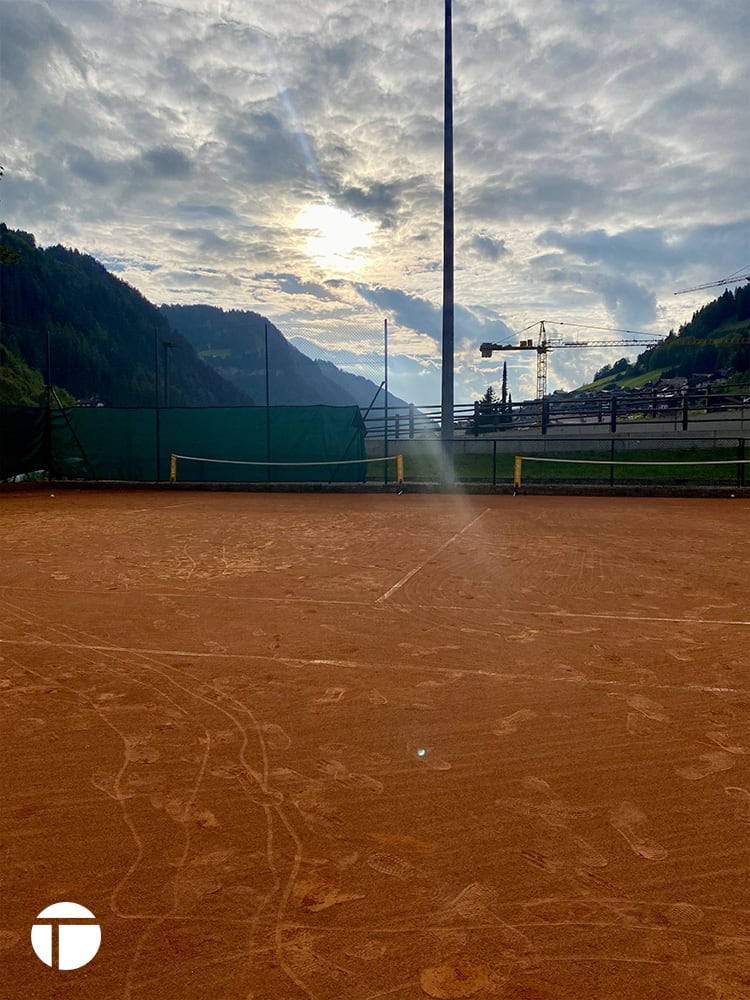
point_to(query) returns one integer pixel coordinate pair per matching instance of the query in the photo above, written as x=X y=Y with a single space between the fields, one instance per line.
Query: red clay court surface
x=357 y=747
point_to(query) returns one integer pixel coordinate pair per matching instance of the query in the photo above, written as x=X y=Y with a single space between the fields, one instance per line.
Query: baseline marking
x=635 y=618
x=296 y=661
x=507 y=612
x=413 y=572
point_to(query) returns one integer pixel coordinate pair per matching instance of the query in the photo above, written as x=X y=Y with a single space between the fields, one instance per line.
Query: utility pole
x=447 y=471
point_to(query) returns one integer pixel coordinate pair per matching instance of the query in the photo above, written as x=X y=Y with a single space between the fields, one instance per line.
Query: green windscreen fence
x=24 y=441
x=135 y=444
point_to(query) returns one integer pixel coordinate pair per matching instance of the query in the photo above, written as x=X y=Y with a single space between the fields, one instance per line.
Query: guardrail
x=683 y=410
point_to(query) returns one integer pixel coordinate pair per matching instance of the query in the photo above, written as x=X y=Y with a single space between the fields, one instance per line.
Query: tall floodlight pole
x=446 y=409
x=156 y=405
x=385 y=397
x=268 y=408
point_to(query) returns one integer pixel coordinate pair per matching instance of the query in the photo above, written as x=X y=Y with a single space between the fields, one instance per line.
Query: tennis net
x=718 y=472
x=196 y=469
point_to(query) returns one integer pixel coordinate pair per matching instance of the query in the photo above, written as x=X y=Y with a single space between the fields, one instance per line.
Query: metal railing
x=674 y=460
x=678 y=410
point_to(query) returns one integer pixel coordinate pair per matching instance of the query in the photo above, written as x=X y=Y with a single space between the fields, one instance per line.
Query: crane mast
x=544 y=346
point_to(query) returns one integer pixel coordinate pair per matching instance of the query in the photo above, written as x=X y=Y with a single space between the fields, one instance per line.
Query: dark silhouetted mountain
x=362 y=389
x=106 y=340
x=234 y=342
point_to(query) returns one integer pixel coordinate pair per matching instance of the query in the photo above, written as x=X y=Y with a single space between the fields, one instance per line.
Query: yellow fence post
x=400 y=469
x=173 y=468
x=517 y=472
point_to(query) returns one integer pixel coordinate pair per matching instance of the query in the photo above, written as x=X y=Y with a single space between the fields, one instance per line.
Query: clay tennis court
x=357 y=747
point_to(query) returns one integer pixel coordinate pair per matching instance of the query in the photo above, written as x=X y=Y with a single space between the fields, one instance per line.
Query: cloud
x=166 y=162
x=624 y=268
x=600 y=159
x=642 y=248
x=32 y=36
x=263 y=148
x=408 y=310
x=292 y=285
x=422 y=316
x=379 y=202
x=488 y=247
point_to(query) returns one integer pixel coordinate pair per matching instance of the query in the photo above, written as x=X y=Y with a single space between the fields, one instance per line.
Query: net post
x=400 y=469
x=173 y=468
x=517 y=463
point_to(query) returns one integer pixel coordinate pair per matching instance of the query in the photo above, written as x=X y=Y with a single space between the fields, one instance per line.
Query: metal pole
x=268 y=408
x=385 y=409
x=49 y=367
x=446 y=413
x=156 y=403
x=741 y=463
x=166 y=344
x=48 y=421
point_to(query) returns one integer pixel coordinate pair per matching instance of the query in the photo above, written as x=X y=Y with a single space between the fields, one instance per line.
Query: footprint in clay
x=709 y=763
x=627 y=819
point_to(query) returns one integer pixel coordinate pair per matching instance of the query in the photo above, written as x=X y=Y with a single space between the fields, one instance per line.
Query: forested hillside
x=106 y=341
x=234 y=342
x=715 y=342
x=110 y=345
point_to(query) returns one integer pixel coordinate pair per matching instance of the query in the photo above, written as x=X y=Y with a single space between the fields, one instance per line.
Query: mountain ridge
x=100 y=338
x=105 y=343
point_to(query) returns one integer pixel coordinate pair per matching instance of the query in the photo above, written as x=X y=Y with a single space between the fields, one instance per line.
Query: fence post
x=613 y=415
x=411 y=420
x=494 y=462
x=612 y=458
x=740 y=463
x=517 y=472
x=684 y=411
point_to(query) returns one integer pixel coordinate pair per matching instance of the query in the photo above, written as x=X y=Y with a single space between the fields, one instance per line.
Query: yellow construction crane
x=544 y=346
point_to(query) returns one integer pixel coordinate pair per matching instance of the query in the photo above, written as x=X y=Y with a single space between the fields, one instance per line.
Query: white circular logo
x=66 y=936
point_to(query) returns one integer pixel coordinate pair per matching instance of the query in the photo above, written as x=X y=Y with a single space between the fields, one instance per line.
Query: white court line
x=475 y=612
x=524 y=613
x=147 y=510
x=418 y=668
x=633 y=618
x=413 y=572
x=185 y=596
x=135 y=650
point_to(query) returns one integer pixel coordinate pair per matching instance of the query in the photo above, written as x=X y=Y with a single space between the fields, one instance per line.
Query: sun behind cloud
x=334 y=236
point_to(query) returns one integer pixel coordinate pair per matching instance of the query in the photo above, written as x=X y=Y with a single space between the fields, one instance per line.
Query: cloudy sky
x=285 y=156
